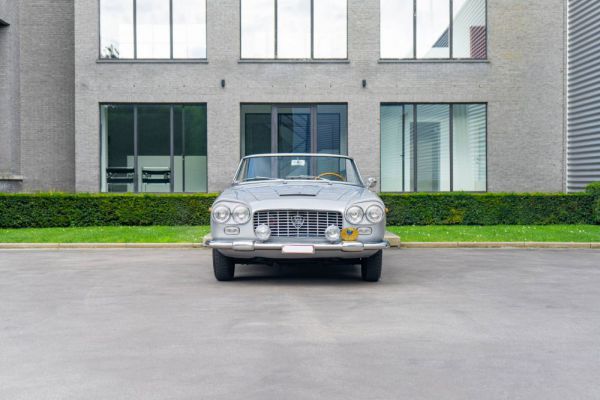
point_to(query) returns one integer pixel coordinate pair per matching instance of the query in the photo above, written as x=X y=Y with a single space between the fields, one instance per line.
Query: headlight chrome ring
x=375 y=214
x=221 y=214
x=354 y=215
x=241 y=215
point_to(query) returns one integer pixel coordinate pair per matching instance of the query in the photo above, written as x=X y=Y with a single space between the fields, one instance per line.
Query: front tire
x=371 y=267
x=224 y=267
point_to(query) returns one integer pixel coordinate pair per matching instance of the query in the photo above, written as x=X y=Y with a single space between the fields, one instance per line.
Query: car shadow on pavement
x=300 y=273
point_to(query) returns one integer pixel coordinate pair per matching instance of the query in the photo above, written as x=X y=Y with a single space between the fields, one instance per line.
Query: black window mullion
x=403 y=122
x=183 y=149
x=451 y=147
x=171 y=26
x=313 y=129
x=276 y=28
x=172 y=149
x=451 y=30
x=135 y=29
x=312 y=29
x=274 y=130
x=414 y=29
x=135 y=150
x=415 y=133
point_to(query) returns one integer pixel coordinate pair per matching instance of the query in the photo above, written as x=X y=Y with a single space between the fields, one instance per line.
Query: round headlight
x=221 y=214
x=241 y=215
x=332 y=233
x=263 y=232
x=375 y=214
x=354 y=215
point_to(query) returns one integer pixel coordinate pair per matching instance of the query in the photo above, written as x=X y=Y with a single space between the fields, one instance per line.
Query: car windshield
x=300 y=167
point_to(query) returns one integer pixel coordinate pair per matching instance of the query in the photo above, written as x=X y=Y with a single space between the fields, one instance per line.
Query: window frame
x=141 y=60
x=451 y=57
x=312 y=57
x=414 y=171
x=274 y=129
x=135 y=107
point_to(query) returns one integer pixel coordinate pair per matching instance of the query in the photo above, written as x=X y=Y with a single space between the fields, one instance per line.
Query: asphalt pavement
x=442 y=324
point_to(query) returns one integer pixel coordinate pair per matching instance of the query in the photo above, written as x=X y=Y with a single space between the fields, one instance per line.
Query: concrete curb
x=394 y=243
x=57 y=246
x=498 y=245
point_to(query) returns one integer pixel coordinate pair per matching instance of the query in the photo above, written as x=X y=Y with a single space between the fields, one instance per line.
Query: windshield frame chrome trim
x=358 y=174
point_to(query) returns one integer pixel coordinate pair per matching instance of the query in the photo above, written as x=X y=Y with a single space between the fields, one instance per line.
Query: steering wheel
x=340 y=177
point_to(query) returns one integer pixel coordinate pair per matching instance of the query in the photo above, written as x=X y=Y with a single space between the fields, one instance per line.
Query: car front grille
x=298 y=223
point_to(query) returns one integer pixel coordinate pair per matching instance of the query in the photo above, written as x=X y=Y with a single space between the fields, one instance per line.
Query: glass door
x=297 y=128
x=294 y=129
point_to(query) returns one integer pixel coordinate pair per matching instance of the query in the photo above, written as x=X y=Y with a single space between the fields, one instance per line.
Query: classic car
x=295 y=208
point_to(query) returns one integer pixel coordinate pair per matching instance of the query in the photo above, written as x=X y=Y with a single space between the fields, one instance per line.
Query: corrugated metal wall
x=583 y=164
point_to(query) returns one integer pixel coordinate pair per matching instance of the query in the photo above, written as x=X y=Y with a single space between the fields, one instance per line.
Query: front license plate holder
x=298 y=249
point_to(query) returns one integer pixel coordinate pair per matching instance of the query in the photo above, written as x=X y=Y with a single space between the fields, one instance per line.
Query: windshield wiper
x=309 y=177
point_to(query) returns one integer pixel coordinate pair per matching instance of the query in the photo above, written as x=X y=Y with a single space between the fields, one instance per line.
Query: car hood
x=297 y=195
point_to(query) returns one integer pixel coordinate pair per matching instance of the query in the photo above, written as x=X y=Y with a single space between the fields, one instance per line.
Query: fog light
x=365 y=231
x=332 y=233
x=232 y=230
x=263 y=232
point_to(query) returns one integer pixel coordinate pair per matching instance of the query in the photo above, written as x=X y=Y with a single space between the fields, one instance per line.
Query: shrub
x=593 y=189
x=488 y=209
x=70 y=210
x=64 y=210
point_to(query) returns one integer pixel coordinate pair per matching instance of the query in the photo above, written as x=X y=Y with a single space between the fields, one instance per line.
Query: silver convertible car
x=298 y=207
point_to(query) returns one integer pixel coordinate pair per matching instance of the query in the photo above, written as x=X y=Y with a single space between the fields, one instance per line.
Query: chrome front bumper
x=249 y=245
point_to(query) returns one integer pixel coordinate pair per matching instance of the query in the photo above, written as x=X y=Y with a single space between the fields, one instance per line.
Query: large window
x=153 y=29
x=433 y=29
x=294 y=29
x=154 y=148
x=433 y=147
x=302 y=128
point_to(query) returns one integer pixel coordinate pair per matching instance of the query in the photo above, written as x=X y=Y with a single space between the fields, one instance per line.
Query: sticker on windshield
x=298 y=163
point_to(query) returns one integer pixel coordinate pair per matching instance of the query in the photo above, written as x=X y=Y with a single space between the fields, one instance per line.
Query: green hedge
x=63 y=210
x=594 y=190
x=489 y=209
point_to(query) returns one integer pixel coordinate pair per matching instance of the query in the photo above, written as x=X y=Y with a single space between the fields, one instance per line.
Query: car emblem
x=297 y=221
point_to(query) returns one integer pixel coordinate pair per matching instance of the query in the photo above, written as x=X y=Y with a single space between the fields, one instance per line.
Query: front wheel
x=371 y=267
x=224 y=267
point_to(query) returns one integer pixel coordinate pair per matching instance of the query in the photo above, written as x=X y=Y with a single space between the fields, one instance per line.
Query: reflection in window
x=331 y=128
x=418 y=156
x=154 y=148
x=158 y=24
x=434 y=34
x=330 y=35
x=397 y=25
x=256 y=129
x=294 y=130
x=118 y=172
x=258 y=29
x=189 y=29
x=469 y=146
x=293 y=28
x=116 y=29
x=153 y=29
x=319 y=128
x=433 y=148
x=305 y=29
x=469 y=35
x=433 y=29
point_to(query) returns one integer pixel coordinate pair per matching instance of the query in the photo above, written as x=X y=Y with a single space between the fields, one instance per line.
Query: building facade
x=167 y=95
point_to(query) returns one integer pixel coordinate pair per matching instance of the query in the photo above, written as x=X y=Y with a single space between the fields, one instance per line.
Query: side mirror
x=371 y=182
